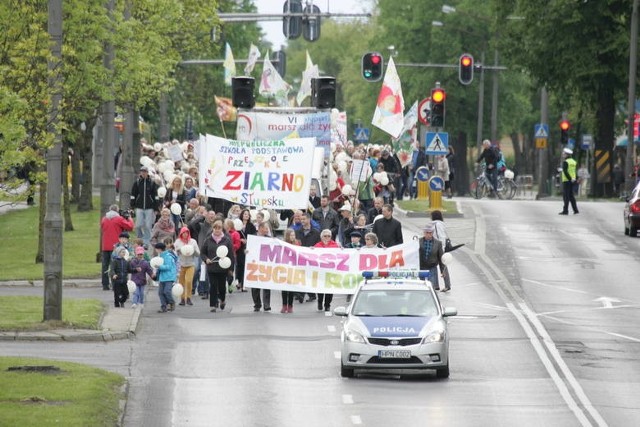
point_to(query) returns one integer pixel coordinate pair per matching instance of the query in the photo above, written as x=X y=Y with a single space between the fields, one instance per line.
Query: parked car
x=632 y=213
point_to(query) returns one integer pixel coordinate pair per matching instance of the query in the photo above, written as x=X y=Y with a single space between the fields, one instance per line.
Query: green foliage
x=77 y=395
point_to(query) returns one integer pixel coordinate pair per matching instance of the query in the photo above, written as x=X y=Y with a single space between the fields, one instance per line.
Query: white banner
x=267 y=174
x=253 y=126
x=390 y=106
x=274 y=264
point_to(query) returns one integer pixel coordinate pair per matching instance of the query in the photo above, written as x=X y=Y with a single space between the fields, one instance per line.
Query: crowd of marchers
x=182 y=236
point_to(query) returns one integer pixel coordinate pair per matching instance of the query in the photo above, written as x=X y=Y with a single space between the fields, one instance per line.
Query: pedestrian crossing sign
x=541 y=131
x=437 y=143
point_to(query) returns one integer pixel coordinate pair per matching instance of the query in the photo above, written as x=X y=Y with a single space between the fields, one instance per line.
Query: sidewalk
x=116 y=323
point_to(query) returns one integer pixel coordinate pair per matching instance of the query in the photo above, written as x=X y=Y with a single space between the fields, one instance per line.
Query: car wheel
x=442 y=372
x=346 y=372
x=633 y=231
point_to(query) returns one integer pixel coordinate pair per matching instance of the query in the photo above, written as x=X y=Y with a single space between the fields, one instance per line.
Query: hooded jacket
x=186 y=261
x=112 y=225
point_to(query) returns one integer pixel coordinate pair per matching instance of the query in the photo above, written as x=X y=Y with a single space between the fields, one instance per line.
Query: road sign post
x=422 y=178
x=436 y=185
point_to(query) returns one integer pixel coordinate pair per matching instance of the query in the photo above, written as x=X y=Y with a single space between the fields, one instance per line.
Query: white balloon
x=342 y=166
x=131 y=286
x=347 y=190
x=224 y=262
x=156 y=261
x=237 y=224
x=384 y=178
x=378 y=217
x=176 y=209
x=254 y=214
x=157 y=146
x=162 y=191
x=187 y=250
x=447 y=258
x=177 y=290
x=509 y=174
x=222 y=251
x=266 y=214
x=376 y=176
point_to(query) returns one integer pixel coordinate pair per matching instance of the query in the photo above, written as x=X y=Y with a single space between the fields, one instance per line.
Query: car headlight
x=353 y=336
x=434 y=336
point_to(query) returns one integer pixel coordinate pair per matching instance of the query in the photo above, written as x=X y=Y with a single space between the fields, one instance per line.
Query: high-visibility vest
x=571 y=163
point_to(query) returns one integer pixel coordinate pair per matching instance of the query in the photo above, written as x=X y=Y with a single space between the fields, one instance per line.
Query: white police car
x=395 y=324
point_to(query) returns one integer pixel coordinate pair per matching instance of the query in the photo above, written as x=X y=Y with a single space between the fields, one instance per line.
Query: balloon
x=342 y=166
x=131 y=286
x=509 y=174
x=224 y=262
x=254 y=214
x=237 y=224
x=176 y=209
x=162 y=191
x=384 y=178
x=346 y=190
x=156 y=261
x=333 y=184
x=222 y=251
x=187 y=250
x=378 y=217
x=157 y=146
x=376 y=176
x=447 y=258
x=177 y=290
x=266 y=214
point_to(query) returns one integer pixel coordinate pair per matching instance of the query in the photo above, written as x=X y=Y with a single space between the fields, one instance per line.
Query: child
x=119 y=273
x=166 y=275
x=123 y=242
x=139 y=243
x=139 y=268
x=187 y=263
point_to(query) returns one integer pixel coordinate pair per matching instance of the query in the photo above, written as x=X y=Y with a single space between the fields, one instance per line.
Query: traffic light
x=564 y=131
x=465 y=69
x=292 y=26
x=279 y=59
x=438 y=96
x=311 y=23
x=372 y=66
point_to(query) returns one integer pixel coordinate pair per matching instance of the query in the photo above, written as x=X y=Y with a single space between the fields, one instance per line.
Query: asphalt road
x=546 y=335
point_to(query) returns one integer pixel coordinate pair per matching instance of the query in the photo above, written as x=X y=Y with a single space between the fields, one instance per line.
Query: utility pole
x=107 y=185
x=480 y=106
x=494 y=101
x=53 y=219
x=631 y=104
x=543 y=166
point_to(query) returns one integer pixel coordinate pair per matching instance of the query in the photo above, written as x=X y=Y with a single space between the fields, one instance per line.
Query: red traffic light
x=565 y=125
x=465 y=69
x=375 y=59
x=438 y=95
x=465 y=61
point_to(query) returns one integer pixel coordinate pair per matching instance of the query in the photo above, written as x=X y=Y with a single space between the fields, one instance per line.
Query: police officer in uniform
x=569 y=179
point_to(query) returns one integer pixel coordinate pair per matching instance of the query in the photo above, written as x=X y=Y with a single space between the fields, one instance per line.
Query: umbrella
x=454 y=247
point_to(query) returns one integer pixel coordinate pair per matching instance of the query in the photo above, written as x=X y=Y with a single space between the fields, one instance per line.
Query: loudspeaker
x=323 y=92
x=242 y=92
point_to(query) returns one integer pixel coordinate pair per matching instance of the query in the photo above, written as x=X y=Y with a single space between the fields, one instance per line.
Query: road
x=546 y=335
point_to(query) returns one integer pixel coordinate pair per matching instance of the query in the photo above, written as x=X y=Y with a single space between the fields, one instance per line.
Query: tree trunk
x=85 y=155
x=517 y=152
x=42 y=209
x=75 y=177
x=462 y=181
x=66 y=206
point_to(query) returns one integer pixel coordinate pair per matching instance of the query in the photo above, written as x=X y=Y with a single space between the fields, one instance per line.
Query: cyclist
x=491 y=156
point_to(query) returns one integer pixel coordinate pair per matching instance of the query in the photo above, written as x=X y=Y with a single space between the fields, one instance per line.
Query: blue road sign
x=541 y=131
x=361 y=134
x=436 y=183
x=422 y=174
x=437 y=143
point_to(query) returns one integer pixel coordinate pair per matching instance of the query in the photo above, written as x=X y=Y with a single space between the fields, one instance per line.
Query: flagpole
x=222 y=126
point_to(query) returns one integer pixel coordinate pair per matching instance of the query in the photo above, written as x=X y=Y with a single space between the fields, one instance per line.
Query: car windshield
x=395 y=302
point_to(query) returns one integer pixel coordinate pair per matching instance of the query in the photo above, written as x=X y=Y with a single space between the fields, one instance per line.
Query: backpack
x=501 y=164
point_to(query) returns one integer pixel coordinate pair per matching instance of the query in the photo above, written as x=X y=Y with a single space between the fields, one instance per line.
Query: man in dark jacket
x=327 y=217
x=308 y=236
x=430 y=256
x=388 y=229
x=144 y=193
x=490 y=156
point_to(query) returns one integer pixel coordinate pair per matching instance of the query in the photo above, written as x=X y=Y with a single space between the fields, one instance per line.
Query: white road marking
x=607 y=302
x=613 y=334
x=356 y=420
x=347 y=399
x=331 y=328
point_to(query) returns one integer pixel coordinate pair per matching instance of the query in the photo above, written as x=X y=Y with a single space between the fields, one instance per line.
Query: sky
x=273 y=29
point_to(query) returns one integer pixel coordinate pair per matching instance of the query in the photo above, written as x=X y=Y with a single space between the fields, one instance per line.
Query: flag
x=229 y=65
x=254 y=55
x=271 y=84
x=310 y=72
x=225 y=109
x=388 y=115
x=406 y=143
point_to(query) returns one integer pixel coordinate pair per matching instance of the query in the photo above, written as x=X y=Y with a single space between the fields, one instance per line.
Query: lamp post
x=633 y=66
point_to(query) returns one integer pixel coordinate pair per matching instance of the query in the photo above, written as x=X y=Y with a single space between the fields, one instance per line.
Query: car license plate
x=394 y=354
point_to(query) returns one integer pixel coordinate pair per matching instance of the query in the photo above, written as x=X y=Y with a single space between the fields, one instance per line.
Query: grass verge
x=415 y=205
x=21 y=313
x=20 y=245
x=71 y=395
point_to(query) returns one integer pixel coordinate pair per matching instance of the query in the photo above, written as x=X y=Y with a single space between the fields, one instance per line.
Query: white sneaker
x=133 y=305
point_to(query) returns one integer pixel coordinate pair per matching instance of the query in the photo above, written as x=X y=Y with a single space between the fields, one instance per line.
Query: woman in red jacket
x=325 y=242
x=236 y=241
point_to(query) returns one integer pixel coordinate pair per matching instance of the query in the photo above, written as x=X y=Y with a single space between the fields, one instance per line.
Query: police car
x=395 y=324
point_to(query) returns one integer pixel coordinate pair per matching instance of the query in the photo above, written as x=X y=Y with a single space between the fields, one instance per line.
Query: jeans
x=106 y=262
x=218 y=283
x=138 y=295
x=144 y=224
x=492 y=175
x=120 y=293
x=433 y=277
x=325 y=300
x=164 y=292
x=266 y=298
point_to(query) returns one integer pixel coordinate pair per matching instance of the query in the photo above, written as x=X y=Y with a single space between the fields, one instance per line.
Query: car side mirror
x=340 y=311
x=449 y=311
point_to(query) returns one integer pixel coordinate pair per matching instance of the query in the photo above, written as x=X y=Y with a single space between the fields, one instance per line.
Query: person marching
x=430 y=254
x=119 y=273
x=440 y=233
x=188 y=261
x=139 y=268
x=569 y=178
x=166 y=276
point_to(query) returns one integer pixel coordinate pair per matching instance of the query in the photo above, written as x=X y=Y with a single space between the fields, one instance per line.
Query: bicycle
x=507 y=187
x=481 y=186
